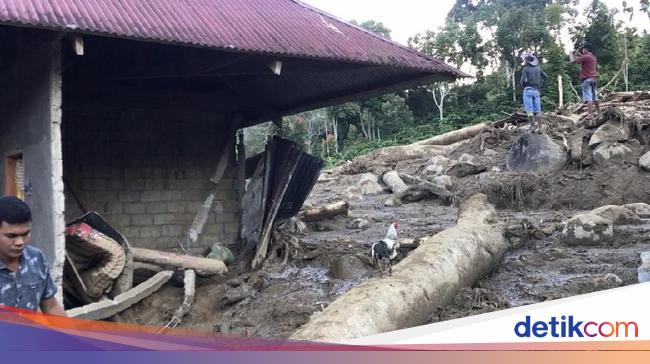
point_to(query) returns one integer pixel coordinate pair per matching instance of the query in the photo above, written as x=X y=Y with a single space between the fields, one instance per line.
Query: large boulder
x=611 y=131
x=368 y=184
x=608 y=152
x=437 y=166
x=587 y=229
x=618 y=215
x=644 y=161
x=640 y=209
x=536 y=153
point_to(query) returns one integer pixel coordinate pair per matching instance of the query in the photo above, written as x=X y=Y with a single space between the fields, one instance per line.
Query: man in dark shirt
x=588 y=76
x=25 y=280
x=532 y=81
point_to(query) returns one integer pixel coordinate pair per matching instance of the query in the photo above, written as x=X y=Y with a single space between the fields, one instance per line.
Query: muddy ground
x=331 y=257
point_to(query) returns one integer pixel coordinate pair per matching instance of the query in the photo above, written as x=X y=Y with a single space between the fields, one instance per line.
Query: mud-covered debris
x=348 y=267
x=468 y=302
x=358 y=224
x=644 y=161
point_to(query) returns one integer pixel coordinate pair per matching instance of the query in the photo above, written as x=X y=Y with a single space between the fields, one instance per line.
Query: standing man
x=532 y=81
x=588 y=77
x=25 y=280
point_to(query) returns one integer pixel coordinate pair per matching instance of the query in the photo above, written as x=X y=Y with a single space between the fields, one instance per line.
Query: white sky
x=407 y=17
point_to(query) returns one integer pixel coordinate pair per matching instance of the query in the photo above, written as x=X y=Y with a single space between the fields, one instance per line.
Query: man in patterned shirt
x=25 y=280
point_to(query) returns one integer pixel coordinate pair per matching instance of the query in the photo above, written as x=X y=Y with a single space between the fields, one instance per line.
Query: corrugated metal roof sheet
x=279 y=27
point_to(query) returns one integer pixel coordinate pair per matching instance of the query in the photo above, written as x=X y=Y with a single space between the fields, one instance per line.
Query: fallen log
x=325 y=212
x=427 y=278
x=189 y=282
x=107 y=308
x=394 y=182
x=423 y=191
x=203 y=266
x=455 y=136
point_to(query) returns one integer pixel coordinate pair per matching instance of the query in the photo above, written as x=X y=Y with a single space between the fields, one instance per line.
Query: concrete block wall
x=147 y=169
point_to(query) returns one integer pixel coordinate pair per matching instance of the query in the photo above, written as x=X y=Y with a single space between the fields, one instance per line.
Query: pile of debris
x=100 y=267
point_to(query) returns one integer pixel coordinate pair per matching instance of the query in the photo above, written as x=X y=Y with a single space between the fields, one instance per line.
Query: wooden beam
x=189 y=282
x=203 y=266
x=107 y=308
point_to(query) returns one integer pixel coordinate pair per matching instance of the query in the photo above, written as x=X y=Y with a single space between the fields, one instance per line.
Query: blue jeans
x=589 y=90
x=532 y=101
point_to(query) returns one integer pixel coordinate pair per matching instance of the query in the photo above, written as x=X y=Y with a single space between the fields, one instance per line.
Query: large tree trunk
x=429 y=277
x=454 y=136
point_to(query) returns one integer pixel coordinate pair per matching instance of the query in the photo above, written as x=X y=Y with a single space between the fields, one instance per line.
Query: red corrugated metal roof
x=279 y=27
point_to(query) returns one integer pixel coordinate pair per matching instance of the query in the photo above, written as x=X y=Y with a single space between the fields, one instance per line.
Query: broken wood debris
x=189 y=284
x=324 y=212
x=202 y=266
x=109 y=307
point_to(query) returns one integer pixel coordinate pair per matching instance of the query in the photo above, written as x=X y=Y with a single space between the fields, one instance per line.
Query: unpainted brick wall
x=147 y=172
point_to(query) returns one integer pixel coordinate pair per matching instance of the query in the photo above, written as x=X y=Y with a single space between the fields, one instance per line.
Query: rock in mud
x=348 y=267
x=611 y=131
x=536 y=153
x=490 y=153
x=644 y=161
x=438 y=165
x=608 y=152
x=609 y=281
x=393 y=201
x=466 y=158
x=358 y=224
x=464 y=169
x=644 y=269
x=641 y=209
x=368 y=184
x=587 y=229
x=618 y=215
x=444 y=181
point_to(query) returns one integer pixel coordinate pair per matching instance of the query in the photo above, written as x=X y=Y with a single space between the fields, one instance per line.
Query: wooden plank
x=189 y=282
x=203 y=266
x=107 y=308
x=278 y=193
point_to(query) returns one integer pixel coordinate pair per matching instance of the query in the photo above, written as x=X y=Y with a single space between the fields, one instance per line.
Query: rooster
x=385 y=249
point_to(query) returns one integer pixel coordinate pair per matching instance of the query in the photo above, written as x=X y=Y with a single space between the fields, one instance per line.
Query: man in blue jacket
x=532 y=81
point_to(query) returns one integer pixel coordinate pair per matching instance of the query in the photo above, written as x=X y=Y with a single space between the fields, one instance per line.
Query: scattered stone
x=641 y=209
x=235 y=295
x=587 y=229
x=548 y=230
x=358 y=224
x=368 y=184
x=348 y=267
x=611 y=131
x=466 y=158
x=444 y=181
x=612 y=153
x=393 y=201
x=618 y=215
x=644 y=161
x=536 y=153
x=555 y=253
x=609 y=281
x=438 y=165
x=490 y=153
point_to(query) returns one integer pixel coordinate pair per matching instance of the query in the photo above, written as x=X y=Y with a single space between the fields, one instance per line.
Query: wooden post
x=560 y=90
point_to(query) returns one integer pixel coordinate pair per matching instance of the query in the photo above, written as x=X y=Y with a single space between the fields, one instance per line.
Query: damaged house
x=132 y=109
